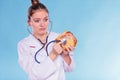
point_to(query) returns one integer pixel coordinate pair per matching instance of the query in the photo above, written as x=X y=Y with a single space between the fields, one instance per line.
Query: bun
x=69 y=39
x=34 y=2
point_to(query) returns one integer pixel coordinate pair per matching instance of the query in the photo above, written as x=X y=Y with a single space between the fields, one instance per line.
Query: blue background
x=96 y=24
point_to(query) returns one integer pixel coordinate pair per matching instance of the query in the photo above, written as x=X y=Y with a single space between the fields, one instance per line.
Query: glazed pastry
x=68 y=39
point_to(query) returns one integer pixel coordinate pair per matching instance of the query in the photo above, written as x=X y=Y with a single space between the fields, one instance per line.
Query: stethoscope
x=45 y=44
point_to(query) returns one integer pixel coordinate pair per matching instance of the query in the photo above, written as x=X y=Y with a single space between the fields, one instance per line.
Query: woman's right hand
x=57 y=50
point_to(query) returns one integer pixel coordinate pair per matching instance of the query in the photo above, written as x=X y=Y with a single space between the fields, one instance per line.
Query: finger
x=59 y=42
x=65 y=52
x=67 y=49
x=71 y=48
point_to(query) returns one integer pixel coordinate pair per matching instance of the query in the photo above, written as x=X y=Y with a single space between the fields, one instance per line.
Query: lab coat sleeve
x=35 y=71
x=23 y=57
x=69 y=68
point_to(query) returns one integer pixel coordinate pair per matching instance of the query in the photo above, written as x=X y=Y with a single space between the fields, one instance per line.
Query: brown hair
x=36 y=5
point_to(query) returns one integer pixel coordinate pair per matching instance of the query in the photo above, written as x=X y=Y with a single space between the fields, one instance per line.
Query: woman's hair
x=36 y=5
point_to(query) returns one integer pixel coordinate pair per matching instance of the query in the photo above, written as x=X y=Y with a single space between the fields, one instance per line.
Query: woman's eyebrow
x=40 y=18
x=46 y=17
x=36 y=18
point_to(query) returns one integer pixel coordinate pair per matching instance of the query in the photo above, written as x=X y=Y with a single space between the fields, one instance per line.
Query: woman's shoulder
x=25 y=40
x=54 y=34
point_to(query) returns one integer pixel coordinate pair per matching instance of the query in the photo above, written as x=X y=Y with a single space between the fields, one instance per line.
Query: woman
x=32 y=49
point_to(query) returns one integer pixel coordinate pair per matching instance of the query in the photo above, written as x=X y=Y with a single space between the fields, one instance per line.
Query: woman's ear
x=29 y=23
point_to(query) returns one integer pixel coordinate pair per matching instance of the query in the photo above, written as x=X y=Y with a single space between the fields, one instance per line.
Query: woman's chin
x=42 y=33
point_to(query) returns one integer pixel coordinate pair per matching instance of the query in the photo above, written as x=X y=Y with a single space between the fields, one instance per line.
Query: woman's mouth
x=42 y=29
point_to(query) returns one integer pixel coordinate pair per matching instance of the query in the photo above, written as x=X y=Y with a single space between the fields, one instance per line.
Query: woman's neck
x=41 y=37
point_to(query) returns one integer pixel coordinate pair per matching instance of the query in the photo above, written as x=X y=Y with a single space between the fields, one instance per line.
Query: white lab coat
x=47 y=69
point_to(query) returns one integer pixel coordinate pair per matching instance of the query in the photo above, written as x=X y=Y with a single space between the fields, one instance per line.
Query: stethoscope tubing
x=35 y=57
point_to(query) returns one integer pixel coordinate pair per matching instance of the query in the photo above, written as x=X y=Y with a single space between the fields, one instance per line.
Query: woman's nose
x=42 y=23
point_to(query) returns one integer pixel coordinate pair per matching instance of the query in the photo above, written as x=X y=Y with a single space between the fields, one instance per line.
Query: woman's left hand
x=68 y=50
x=66 y=56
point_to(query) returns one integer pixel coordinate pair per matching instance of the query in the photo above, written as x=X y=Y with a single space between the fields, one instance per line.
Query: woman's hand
x=68 y=50
x=66 y=55
x=57 y=50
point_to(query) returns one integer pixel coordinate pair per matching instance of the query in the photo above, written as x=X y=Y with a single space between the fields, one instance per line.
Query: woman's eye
x=36 y=20
x=45 y=20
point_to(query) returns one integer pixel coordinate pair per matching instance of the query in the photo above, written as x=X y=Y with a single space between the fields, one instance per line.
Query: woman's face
x=39 y=22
